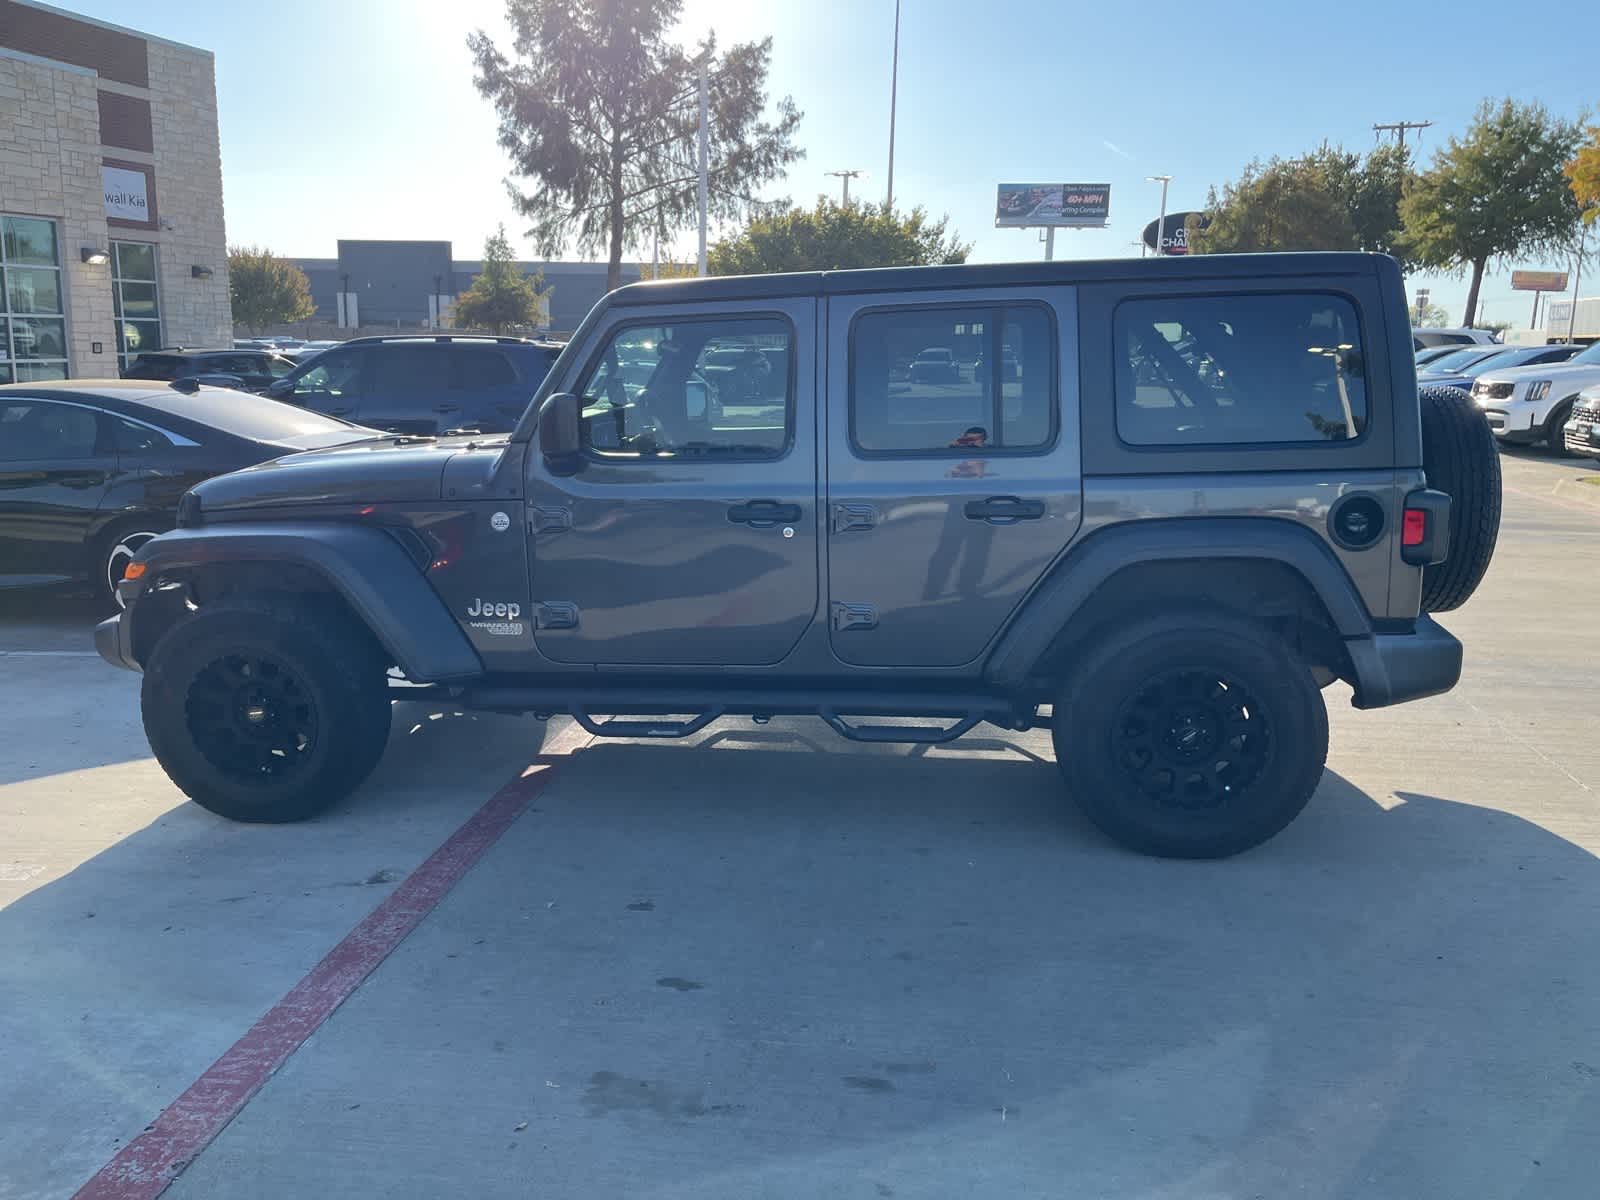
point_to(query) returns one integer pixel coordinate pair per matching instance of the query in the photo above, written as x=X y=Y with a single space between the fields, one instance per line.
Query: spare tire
x=1461 y=459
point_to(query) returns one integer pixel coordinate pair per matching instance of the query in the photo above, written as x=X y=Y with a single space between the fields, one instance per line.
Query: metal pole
x=1533 y=319
x=894 y=89
x=1577 y=278
x=1161 y=222
x=1049 y=243
x=705 y=109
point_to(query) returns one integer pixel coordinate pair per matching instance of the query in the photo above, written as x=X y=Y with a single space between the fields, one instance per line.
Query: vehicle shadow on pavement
x=706 y=973
x=124 y=979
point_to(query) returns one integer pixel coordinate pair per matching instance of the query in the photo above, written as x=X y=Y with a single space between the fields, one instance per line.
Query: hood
x=385 y=470
x=1541 y=371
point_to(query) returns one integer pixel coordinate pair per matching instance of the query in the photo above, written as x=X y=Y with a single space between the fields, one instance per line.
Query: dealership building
x=413 y=285
x=111 y=231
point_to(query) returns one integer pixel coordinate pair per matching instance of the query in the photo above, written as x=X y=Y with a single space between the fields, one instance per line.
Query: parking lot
x=771 y=962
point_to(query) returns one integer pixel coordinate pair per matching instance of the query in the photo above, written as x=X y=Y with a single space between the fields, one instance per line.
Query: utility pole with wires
x=1398 y=128
x=847 y=176
x=705 y=110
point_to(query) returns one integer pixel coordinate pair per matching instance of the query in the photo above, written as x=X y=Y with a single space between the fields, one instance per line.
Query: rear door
x=689 y=535
x=408 y=389
x=56 y=461
x=948 y=491
x=486 y=389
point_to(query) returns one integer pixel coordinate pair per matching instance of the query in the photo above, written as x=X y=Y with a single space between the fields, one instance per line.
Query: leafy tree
x=1432 y=316
x=833 y=237
x=1330 y=199
x=1494 y=194
x=600 y=111
x=1583 y=177
x=501 y=297
x=266 y=290
x=667 y=269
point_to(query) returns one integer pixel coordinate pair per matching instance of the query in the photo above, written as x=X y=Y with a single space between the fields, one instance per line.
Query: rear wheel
x=1191 y=736
x=265 y=714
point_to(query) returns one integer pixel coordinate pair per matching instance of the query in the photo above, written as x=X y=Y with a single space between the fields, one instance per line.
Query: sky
x=358 y=118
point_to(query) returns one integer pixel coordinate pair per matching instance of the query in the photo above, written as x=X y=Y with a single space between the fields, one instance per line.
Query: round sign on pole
x=1176 y=240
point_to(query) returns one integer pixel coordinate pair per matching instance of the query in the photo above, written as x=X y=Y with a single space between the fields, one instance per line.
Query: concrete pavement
x=772 y=963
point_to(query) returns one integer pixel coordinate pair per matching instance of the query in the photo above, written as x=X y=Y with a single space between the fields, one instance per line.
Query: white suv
x=1531 y=404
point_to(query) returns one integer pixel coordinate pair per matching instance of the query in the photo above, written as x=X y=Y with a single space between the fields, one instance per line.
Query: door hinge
x=846 y=517
x=549 y=518
x=555 y=614
x=854 y=616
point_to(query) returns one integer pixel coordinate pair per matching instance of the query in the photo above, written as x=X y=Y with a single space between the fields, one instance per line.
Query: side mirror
x=559 y=439
x=279 y=388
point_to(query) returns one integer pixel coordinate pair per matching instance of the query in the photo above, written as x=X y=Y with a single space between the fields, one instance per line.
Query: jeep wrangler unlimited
x=1153 y=505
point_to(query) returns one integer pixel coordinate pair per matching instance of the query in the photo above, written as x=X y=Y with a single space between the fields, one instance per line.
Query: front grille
x=1587 y=412
x=1493 y=391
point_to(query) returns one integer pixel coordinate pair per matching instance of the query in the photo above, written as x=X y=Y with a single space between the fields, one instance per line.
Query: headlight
x=1537 y=390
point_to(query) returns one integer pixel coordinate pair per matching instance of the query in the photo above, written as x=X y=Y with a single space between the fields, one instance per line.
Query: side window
x=952 y=380
x=35 y=430
x=479 y=369
x=133 y=438
x=718 y=387
x=1264 y=367
x=277 y=365
x=407 y=376
x=333 y=374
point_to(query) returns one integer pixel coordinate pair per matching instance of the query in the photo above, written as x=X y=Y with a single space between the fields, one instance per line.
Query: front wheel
x=265 y=714
x=1191 y=736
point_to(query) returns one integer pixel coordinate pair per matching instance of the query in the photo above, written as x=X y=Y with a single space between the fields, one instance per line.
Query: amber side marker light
x=135 y=570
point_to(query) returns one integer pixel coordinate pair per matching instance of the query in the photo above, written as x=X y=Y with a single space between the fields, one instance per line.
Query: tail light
x=1425 y=528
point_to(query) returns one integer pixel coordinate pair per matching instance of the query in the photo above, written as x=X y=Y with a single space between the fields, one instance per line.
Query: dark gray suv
x=1155 y=506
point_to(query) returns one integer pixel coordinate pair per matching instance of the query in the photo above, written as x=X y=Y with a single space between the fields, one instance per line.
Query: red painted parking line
x=145 y=1166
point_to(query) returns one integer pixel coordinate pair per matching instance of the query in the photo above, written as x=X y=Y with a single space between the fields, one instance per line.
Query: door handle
x=762 y=513
x=1004 y=510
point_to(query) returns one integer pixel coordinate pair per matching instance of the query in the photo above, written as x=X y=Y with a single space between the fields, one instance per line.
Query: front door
x=953 y=467
x=55 y=465
x=689 y=534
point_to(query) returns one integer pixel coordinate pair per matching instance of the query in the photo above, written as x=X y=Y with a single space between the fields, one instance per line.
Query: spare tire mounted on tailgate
x=1461 y=460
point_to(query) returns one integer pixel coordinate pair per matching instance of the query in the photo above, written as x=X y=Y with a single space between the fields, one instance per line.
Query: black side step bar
x=628 y=709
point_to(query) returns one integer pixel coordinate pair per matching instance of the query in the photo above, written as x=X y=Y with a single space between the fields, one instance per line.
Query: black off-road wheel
x=1191 y=736
x=266 y=714
x=1460 y=458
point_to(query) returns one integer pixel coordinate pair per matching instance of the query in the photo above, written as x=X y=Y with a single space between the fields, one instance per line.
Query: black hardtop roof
x=985 y=275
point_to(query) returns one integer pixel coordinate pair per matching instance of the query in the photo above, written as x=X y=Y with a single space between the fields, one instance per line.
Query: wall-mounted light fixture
x=95 y=256
x=199 y=272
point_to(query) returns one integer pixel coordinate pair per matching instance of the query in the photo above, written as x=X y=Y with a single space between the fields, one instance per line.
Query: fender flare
x=366 y=566
x=1073 y=580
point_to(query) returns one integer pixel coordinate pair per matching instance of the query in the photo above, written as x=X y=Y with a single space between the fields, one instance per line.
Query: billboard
x=1538 y=281
x=1176 y=239
x=1073 y=205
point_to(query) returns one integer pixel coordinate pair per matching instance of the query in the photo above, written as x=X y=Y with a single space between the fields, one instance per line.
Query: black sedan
x=248 y=370
x=91 y=469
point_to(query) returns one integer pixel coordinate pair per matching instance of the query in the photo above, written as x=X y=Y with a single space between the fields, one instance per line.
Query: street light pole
x=1577 y=278
x=894 y=90
x=704 y=189
x=847 y=176
x=1161 y=222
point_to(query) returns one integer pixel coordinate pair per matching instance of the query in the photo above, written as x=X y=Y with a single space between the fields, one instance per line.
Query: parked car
x=936 y=364
x=308 y=351
x=423 y=383
x=1172 y=560
x=1530 y=405
x=1582 y=430
x=1423 y=338
x=91 y=470
x=247 y=370
x=1442 y=374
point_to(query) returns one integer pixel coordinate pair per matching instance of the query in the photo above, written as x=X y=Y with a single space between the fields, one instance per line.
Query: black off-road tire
x=1199 y=769
x=266 y=713
x=1461 y=459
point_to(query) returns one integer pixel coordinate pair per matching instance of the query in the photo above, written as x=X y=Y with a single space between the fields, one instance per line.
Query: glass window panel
x=33 y=289
x=138 y=300
x=29 y=241
x=135 y=260
x=134 y=337
x=36 y=337
x=27 y=372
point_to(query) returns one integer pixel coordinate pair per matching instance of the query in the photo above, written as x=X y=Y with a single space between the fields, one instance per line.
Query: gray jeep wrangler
x=1153 y=505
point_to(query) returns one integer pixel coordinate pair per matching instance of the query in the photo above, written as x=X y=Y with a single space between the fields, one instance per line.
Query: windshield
x=1591 y=355
x=259 y=419
x=1458 y=359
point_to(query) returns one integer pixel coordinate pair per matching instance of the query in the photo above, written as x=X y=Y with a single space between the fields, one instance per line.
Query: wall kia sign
x=1065 y=205
x=1176 y=238
x=127 y=194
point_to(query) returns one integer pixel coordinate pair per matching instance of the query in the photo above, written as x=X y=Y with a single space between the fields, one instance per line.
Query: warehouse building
x=413 y=285
x=111 y=230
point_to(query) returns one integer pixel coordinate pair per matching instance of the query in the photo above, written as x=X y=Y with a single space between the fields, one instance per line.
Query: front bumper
x=1391 y=668
x=1582 y=433
x=1512 y=420
x=113 y=638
